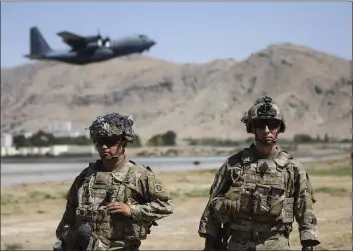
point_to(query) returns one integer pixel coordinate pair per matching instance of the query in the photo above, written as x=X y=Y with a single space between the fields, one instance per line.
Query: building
x=6 y=140
x=60 y=128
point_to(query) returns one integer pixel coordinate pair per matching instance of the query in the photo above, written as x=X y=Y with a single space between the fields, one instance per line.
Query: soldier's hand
x=119 y=207
x=225 y=206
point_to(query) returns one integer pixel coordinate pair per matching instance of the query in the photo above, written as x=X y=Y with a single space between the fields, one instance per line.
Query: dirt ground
x=30 y=213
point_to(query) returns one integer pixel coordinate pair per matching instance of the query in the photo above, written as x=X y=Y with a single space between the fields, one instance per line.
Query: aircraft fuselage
x=91 y=51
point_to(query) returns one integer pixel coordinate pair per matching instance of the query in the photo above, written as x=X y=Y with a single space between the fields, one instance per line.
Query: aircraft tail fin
x=37 y=43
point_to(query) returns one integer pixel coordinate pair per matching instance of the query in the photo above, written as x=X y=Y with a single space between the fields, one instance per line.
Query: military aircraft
x=86 y=49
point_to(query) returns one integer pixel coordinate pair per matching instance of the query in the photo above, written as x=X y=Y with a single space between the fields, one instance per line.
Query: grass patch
x=30 y=197
x=339 y=170
x=191 y=193
x=331 y=190
x=213 y=171
x=13 y=246
x=38 y=196
x=8 y=199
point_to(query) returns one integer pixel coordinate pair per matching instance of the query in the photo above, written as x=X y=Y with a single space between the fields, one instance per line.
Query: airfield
x=31 y=211
x=198 y=100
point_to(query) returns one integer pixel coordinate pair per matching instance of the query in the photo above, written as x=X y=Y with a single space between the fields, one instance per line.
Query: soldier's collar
x=249 y=154
x=121 y=165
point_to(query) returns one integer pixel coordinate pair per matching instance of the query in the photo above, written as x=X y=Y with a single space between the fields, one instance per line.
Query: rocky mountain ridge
x=314 y=90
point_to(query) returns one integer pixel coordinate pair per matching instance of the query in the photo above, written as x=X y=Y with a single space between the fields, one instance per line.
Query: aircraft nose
x=152 y=43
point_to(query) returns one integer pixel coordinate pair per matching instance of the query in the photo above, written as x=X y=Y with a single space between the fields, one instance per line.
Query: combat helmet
x=112 y=124
x=264 y=108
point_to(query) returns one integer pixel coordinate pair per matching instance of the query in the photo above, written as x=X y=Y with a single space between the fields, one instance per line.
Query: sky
x=194 y=32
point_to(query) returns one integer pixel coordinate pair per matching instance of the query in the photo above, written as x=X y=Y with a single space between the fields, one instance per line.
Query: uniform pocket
x=132 y=231
x=260 y=202
x=287 y=213
x=246 y=202
x=275 y=201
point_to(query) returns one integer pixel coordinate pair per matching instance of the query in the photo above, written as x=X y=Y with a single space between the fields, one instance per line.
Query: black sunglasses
x=107 y=141
x=271 y=124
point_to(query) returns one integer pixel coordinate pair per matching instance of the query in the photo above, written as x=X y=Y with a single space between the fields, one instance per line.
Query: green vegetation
x=290 y=143
x=31 y=197
x=335 y=170
x=166 y=139
x=331 y=190
x=44 y=139
x=217 y=142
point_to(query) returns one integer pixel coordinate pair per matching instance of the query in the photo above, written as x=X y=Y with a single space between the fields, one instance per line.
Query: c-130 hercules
x=86 y=49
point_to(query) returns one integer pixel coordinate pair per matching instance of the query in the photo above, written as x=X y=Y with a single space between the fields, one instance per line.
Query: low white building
x=6 y=140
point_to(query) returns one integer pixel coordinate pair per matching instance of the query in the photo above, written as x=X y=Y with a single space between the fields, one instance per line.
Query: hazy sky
x=185 y=32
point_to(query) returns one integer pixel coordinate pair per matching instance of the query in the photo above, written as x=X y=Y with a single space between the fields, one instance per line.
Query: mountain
x=314 y=90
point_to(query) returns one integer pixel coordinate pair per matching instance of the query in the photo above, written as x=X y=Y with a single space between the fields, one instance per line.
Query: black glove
x=209 y=243
x=307 y=248
x=213 y=244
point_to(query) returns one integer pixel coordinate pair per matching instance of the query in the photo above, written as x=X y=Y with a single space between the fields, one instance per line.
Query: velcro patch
x=158 y=188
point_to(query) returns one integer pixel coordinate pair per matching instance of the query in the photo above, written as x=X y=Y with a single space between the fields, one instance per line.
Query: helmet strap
x=118 y=154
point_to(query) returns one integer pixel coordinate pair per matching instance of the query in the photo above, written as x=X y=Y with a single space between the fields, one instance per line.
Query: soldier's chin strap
x=117 y=154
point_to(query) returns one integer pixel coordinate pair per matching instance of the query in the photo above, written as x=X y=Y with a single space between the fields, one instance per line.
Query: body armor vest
x=98 y=190
x=263 y=192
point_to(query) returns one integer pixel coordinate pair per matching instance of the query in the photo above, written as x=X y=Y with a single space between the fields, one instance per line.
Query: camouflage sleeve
x=69 y=215
x=158 y=200
x=304 y=208
x=209 y=225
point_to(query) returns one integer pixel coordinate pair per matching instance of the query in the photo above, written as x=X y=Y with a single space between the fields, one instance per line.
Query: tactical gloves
x=213 y=244
x=232 y=200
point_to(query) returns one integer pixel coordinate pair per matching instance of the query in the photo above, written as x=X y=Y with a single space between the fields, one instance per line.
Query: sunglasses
x=271 y=124
x=107 y=141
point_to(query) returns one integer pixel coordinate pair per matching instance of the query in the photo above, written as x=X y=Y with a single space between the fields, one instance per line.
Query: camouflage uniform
x=130 y=183
x=257 y=199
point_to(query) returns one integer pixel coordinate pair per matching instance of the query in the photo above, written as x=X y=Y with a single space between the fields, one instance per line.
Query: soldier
x=112 y=204
x=259 y=192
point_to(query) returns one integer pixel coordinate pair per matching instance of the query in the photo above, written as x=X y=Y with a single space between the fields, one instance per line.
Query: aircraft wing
x=66 y=35
x=75 y=41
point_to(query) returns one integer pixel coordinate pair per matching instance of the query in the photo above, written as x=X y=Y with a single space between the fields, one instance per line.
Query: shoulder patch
x=158 y=188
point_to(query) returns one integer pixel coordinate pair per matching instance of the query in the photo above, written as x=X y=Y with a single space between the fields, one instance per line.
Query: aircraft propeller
x=104 y=41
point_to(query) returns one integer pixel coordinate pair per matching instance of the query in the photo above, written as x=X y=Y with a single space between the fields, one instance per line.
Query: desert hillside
x=314 y=90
